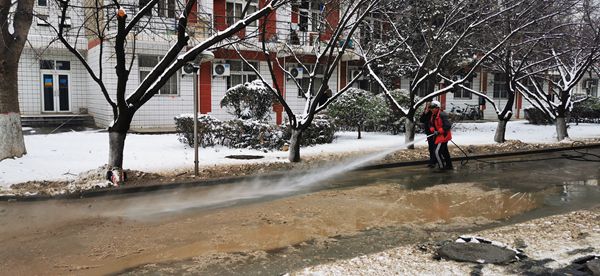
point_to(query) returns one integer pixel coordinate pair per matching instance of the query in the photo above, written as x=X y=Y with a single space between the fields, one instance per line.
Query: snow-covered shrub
x=587 y=111
x=251 y=134
x=536 y=117
x=356 y=109
x=208 y=129
x=250 y=100
x=234 y=133
x=321 y=131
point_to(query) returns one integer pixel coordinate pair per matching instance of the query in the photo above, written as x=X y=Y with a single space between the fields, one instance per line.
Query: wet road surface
x=270 y=226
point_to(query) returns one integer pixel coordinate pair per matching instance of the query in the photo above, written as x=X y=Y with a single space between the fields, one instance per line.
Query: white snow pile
x=70 y=156
x=92 y=179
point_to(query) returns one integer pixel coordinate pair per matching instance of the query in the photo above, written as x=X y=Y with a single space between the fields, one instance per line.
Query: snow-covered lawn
x=64 y=155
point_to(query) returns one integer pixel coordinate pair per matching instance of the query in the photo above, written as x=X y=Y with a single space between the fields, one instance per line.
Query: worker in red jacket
x=440 y=126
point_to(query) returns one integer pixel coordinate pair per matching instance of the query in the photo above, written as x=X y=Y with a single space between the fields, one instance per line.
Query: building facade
x=52 y=82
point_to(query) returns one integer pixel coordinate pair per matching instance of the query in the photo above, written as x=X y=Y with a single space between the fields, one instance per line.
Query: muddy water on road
x=111 y=234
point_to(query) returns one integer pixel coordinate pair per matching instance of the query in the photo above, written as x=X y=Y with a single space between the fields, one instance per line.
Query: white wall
x=30 y=80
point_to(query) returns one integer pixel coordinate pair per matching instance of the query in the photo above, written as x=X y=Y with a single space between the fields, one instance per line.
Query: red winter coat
x=439 y=121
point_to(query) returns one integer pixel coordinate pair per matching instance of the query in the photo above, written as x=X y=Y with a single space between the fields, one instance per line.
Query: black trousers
x=443 y=156
x=431 y=145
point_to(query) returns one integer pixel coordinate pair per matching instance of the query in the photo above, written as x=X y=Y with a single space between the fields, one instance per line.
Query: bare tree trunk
x=500 y=136
x=409 y=133
x=116 y=139
x=116 y=145
x=11 y=134
x=11 y=47
x=295 y=145
x=359 y=128
x=561 y=128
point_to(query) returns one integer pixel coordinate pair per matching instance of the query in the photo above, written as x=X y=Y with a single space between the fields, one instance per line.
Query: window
x=461 y=93
x=426 y=88
x=42 y=20
x=310 y=15
x=42 y=3
x=500 y=86
x=591 y=87
x=46 y=64
x=63 y=65
x=529 y=85
x=240 y=72
x=371 y=28
x=146 y=63
x=317 y=80
x=143 y=3
x=166 y=8
x=235 y=8
x=67 y=21
x=364 y=83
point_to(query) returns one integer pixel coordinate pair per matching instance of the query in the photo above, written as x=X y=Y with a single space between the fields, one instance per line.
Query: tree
x=336 y=23
x=429 y=42
x=439 y=48
x=16 y=22
x=566 y=56
x=356 y=107
x=117 y=29
x=525 y=29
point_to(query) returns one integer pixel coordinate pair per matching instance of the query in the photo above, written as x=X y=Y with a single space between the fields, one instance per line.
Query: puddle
x=370 y=209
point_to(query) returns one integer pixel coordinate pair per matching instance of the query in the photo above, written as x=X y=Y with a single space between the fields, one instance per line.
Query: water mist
x=256 y=188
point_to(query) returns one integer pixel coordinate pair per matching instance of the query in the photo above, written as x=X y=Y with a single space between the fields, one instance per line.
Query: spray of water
x=256 y=188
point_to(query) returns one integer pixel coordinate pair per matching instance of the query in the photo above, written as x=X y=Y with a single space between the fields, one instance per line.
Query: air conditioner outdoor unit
x=355 y=73
x=187 y=69
x=297 y=72
x=221 y=70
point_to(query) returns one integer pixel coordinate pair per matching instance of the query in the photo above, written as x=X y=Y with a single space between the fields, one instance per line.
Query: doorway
x=56 y=93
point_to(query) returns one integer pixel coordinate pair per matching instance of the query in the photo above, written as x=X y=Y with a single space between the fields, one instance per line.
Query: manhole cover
x=478 y=250
x=244 y=156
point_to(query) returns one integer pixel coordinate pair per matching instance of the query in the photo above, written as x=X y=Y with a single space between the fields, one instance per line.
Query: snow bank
x=62 y=156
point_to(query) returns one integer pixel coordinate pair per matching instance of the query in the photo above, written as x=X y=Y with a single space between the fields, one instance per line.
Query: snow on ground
x=62 y=156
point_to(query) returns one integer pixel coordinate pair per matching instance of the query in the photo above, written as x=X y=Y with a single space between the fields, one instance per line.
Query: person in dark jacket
x=440 y=126
x=424 y=120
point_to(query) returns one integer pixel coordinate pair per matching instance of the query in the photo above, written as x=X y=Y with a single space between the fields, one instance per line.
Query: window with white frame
x=591 y=87
x=426 y=88
x=43 y=20
x=310 y=15
x=166 y=8
x=235 y=8
x=42 y=3
x=364 y=83
x=240 y=72
x=317 y=80
x=67 y=23
x=461 y=93
x=500 y=91
x=146 y=63
x=46 y=64
x=529 y=85
x=372 y=28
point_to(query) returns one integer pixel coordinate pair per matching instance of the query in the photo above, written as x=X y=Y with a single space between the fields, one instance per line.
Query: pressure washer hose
x=581 y=156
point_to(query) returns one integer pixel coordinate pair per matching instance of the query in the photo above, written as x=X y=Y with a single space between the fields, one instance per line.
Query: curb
x=122 y=190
